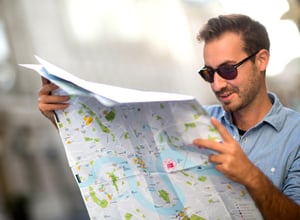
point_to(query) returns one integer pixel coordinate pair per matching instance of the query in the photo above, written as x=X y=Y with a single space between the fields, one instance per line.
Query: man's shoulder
x=284 y=118
x=291 y=115
x=279 y=109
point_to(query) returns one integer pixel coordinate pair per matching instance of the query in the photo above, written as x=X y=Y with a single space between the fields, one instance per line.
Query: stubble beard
x=244 y=97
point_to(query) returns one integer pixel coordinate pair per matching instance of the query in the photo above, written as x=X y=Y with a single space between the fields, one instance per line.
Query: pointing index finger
x=222 y=130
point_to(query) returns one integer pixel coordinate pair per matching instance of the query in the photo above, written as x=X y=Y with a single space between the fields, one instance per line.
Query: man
x=261 y=142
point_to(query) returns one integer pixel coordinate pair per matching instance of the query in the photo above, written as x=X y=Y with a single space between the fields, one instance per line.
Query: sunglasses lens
x=207 y=74
x=227 y=72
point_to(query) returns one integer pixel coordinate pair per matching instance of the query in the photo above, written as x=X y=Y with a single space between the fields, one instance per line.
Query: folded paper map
x=131 y=154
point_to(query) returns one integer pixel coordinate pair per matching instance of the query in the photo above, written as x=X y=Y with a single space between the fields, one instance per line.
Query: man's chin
x=228 y=107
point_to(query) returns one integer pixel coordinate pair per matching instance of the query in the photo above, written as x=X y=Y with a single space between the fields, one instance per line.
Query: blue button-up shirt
x=273 y=144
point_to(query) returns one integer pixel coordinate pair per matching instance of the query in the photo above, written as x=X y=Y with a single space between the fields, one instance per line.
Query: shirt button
x=273 y=170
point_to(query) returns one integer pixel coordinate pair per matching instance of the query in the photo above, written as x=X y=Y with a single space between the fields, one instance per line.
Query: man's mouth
x=224 y=96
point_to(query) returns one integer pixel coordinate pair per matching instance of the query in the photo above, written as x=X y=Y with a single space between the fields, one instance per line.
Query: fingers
x=229 y=157
x=226 y=137
x=47 y=88
x=214 y=145
x=47 y=102
x=52 y=107
x=53 y=99
x=44 y=80
x=205 y=143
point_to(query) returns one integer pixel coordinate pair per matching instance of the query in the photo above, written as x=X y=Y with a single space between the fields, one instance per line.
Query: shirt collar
x=273 y=117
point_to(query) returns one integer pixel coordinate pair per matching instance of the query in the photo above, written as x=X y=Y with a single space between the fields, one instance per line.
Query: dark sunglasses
x=226 y=71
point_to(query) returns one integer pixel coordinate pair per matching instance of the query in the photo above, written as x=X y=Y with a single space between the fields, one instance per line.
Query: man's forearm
x=271 y=202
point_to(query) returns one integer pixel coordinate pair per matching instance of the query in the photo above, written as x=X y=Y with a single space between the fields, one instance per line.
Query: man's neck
x=251 y=115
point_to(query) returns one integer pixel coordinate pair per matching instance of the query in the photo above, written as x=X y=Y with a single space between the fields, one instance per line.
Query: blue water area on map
x=133 y=187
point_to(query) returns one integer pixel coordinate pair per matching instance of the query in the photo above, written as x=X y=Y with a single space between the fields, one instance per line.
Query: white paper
x=106 y=94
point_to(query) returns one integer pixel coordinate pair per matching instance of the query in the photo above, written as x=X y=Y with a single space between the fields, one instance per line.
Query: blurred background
x=139 y=44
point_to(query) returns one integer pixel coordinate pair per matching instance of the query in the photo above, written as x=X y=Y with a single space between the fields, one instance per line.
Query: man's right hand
x=47 y=102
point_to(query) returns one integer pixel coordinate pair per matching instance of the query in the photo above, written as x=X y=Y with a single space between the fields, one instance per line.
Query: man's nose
x=218 y=82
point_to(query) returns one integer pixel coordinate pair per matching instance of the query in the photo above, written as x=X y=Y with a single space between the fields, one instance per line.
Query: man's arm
x=48 y=103
x=272 y=203
x=234 y=163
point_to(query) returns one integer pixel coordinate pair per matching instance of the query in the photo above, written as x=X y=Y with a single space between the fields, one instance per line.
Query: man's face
x=238 y=93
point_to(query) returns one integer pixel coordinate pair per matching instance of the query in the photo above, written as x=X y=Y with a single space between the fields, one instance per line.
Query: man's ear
x=262 y=59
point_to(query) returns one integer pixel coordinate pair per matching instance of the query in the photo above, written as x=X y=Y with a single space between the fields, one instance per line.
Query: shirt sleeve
x=291 y=186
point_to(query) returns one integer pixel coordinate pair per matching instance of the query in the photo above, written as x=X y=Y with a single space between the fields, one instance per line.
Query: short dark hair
x=253 y=33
